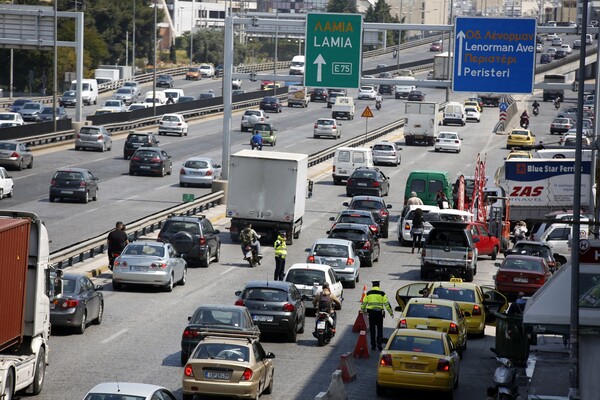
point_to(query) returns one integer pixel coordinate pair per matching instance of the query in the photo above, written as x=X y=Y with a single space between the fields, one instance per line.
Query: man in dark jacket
x=117 y=240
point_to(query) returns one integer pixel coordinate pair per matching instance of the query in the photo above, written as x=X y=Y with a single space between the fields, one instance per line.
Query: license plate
x=414 y=366
x=444 y=262
x=361 y=184
x=263 y=318
x=66 y=191
x=217 y=375
x=343 y=171
x=321 y=325
x=138 y=268
x=144 y=167
x=521 y=280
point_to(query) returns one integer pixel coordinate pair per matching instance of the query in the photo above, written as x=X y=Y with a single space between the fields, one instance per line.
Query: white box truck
x=106 y=75
x=421 y=122
x=26 y=288
x=298 y=96
x=297 y=65
x=89 y=90
x=268 y=190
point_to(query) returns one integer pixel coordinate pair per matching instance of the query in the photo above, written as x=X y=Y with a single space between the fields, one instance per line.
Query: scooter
x=506 y=379
x=395 y=54
x=378 y=105
x=252 y=256
x=323 y=330
x=257 y=146
x=536 y=111
x=556 y=105
x=524 y=123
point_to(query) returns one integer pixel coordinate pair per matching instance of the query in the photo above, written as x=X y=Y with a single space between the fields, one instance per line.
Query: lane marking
x=91 y=210
x=127 y=198
x=116 y=335
x=228 y=270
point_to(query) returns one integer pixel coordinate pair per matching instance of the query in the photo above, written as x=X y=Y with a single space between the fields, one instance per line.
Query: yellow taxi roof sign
x=367 y=113
x=456 y=280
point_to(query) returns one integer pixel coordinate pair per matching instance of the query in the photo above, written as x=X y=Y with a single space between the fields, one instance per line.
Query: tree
x=341 y=6
x=381 y=13
x=172 y=54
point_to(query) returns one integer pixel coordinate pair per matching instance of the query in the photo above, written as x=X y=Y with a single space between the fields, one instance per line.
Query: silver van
x=347 y=159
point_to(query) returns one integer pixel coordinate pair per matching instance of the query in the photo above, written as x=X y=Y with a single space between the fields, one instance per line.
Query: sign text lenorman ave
x=494 y=55
x=333 y=50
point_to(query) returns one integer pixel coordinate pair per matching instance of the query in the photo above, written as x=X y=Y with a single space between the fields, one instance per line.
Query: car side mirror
x=307 y=250
x=389 y=206
x=189 y=318
x=270 y=355
x=466 y=314
x=332 y=218
x=345 y=204
x=216 y=232
x=305 y=297
x=99 y=287
x=398 y=308
x=328 y=232
x=497 y=265
x=239 y=292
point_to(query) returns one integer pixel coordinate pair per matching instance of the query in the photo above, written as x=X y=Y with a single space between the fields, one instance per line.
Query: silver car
x=339 y=254
x=93 y=137
x=199 y=171
x=14 y=154
x=127 y=391
x=31 y=111
x=126 y=95
x=134 y=86
x=386 y=153
x=149 y=263
x=327 y=127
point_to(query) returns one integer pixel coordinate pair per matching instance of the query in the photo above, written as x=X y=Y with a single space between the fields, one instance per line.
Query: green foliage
x=341 y=6
x=172 y=54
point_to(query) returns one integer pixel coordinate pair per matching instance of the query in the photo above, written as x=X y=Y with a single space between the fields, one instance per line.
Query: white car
x=448 y=141
x=557 y=41
x=173 y=123
x=327 y=127
x=539 y=48
x=252 y=117
x=207 y=70
x=405 y=222
x=114 y=106
x=8 y=119
x=137 y=106
x=567 y=48
x=551 y=37
x=367 y=92
x=6 y=184
x=127 y=390
x=236 y=83
x=309 y=278
x=473 y=113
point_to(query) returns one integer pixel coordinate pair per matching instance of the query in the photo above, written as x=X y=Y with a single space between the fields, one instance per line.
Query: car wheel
x=169 y=286
x=293 y=335
x=81 y=328
x=495 y=253
x=98 y=319
x=21 y=165
x=183 y=277
x=380 y=390
x=301 y=330
x=30 y=165
x=436 y=150
x=337 y=181
x=170 y=170
x=51 y=199
x=10 y=194
x=352 y=283
x=183 y=358
x=86 y=199
x=95 y=198
x=469 y=275
x=182 y=184
x=205 y=262
x=162 y=171
x=423 y=273
x=386 y=233
x=117 y=285
x=368 y=263
x=269 y=389
x=218 y=253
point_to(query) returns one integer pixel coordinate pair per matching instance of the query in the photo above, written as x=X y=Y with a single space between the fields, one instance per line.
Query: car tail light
x=311 y=259
x=350 y=261
x=158 y=265
x=334 y=168
x=437 y=140
x=188 y=371
x=501 y=277
x=476 y=310
x=179 y=124
x=78 y=136
x=161 y=123
x=539 y=279
x=100 y=139
x=334 y=127
x=349 y=182
x=386 y=360
x=15 y=155
x=456 y=141
x=402 y=323
x=443 y=365
x=247 y=375
x=120 y=263
x=374 y=228
x=82 y=184
x=52 y=182
x=190 y=333
x=407 y=226
x=70 y=303
x=469 y=255
x=239 y=302
x=182 y=171
x=453 y=329
x=136 y=158
x=375 y=184
x=202 y=241
x=423 y=253
x=155 y=159
x=384 y=212
x=209 y=172
x=367 y=245
x=316 y=126
x=289 y=307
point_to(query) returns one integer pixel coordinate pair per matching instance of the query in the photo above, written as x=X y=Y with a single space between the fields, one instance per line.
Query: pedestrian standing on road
x=116 y=241
x=417 y=229
x=280 y=253
x=375 y=304
x=414 y=200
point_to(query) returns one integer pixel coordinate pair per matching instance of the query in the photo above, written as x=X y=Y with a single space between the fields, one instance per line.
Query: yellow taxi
x=477 y=302
x=418 y=359
x=228 y=365
x=436 y=314
x=473 y=103
x=519 y=154
x=520 y=138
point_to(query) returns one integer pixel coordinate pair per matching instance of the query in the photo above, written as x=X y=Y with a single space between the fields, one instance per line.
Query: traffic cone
x=361 y=350
x=364 y=293
x=361 y=323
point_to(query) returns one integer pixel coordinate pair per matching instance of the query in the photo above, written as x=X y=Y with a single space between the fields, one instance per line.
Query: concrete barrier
x=220 y=185
x=336 y=390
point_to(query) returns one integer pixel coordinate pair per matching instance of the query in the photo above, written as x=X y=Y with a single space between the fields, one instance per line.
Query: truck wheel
x=423 y=273
x=9 y=386
x=297 y=235
x=40 y=372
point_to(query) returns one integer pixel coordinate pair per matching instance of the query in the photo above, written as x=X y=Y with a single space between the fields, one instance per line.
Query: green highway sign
x=333 y=52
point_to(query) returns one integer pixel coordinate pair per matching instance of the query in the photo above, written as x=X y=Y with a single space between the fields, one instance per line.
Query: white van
x=347 y=159
x=159 y=99
x=454 y=113
x=559 y=235
x=343 y=108
x=297 y=65
x=89 y=90
x=175 y=94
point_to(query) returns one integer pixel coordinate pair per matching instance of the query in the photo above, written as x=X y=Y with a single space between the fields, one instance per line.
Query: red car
x=519 y=273
x=486 y=243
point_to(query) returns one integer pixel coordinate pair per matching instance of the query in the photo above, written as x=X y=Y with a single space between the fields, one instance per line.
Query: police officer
x=375 y=303
x=280 y=253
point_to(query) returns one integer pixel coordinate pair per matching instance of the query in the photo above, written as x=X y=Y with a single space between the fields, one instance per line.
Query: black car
x=416 y=95
x=377 y=207
x=68 y=98
x=270 y=103
x=357 y=217
x=386 y=89
x=165 y=81
x=135 y=140
x=74 y=183
x=80 y=304
x=319 y=94
x=536 y=249
x=368 y=181
x=560 y=53
x=545 y=58
x=275 y=306
x=331 y=98
x=205 y=238
x=46 y=114
x=385 y=75
x=219 y=71
x=150 y=160
x=185 y=99
x=365 y=241
x=214 y=319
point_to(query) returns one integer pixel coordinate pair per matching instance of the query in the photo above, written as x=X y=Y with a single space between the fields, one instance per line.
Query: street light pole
x=192 y=33
x=154 y=62
x=133 y=41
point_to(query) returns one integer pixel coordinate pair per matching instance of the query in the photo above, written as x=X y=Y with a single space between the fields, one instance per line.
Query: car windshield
x=48 y=110
x=364 y=175
x=456 y=294
x=20 y=102
x=8 y=146
x=417 y=345
x=265 y=294
x=520 y=264
x=307 y=277
x=7 y=117
x=110 y=396
x=348 y=234
x=221 y=351
x=144 y=250
x=178 y=226
x=112 y=104
x=429 y=310
x=124 y=91
x=196 y=164
x=69 y=94
x=31 y=106
x=130 y=84
x=216 y=317
x=330 y=250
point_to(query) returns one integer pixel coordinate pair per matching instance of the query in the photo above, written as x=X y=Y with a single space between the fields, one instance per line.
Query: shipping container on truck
x=268 y=190
x=24 y=303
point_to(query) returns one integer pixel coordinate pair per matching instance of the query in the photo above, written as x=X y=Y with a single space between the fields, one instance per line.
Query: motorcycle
x=556 y=105
x=323 y=330
x=256 y=145
x=536 y=111
x=378 y=105
x=252 y=256
x=524 y=123
x=395 y=54
x=506 y=379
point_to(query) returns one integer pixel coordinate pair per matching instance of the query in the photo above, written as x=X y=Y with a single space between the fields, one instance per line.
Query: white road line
x=162 y=187
x=116 y=335
x=228 y=270
x=127 y=198
x=91 y=210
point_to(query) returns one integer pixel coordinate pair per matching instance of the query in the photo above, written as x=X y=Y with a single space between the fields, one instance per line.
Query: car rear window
x=249 y=113
x=89 y=131
x=8 y=146
x=428 y=310
x=216 y=317
x=68 y=176
x=146 y=153
x=447 y=238
x=331 y=250
x=348 y=234
x=522 y=265
x=69 y=285
x=178 y=226
x=385 y=147
x=265 y=294
x=196 y=164
x=364 y=175
x=356 y=219
x=171 y=118
x=222 y=351
x=417 y=345
x=327 y=122
x=306 y=277
x=138 y=139
x=456 y=294
x=144 y=250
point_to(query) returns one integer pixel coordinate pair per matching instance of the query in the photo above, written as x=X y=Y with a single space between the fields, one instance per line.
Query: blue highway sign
x=503 y=106
x=494 y=55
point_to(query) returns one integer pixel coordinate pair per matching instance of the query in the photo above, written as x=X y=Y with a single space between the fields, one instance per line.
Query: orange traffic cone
x=364 y=293
x=361 y=350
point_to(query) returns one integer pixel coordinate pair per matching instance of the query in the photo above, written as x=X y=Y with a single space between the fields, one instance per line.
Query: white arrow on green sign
x=333 y=50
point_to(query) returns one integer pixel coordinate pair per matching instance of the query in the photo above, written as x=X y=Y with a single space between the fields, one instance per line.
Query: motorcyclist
x=333 y=304
x=256 y=141
x=378 y=101
x=536 y=108
x=395 y=53
x=557 y=102
x=524 y=119
x=249 y=237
